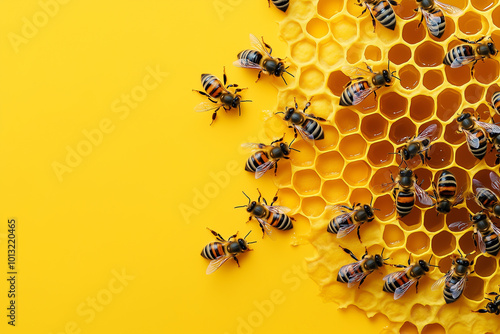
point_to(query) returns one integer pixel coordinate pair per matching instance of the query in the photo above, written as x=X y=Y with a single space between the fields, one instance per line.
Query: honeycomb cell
x=445 y=264
x=289 y=198
x=380 y=153
x=485 y=266
x=373 y=53
x=432 y=221
x=374 y=127
x=474 y=289
x=311 y=79
x=327 y=8
x=429 y=54
x=411 y=221
x=401 y=130
x=317 y=28
x=486 y=71
x=343 y=29
x=433 y=79
x=473 y=93
x=359 y=173
x=448 y=102
x=385 y=206
x=408 y=328
x=433 y=329
x=306 y=155
x=354 y=53
x=451 y=135
x=410 y=77
x=368 y=105
x=352 y=146
x=496 y=17
x=291 y=31
x=443 y=243
x=490 y=91
x=399 y=54
x=482 y=112
x=305 y=10
x=331 y=138
x=346 y=120
x=417 y=243
x=303 y=51
x=321 y=106
x=393 y=105
x=483 y=4
x=361 y=195
x=330 y=53
x=470 y=23
x=380 y=177
x=413 y=33
x=313 y=206
x=441 y=155
x=420 y=313
x=421 y=108
x=393 y=236
x=405 y=9
x=458 y=76
x=306 y=182
x=337 y=81
x=330 y=164
x=335 y=191
x=464 y=158
x=424 y=177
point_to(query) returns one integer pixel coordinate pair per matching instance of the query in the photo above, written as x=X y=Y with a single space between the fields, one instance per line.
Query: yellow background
x=117 y=211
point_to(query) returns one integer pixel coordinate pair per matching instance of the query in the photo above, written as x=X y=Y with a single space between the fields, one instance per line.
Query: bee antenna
x=247 y=235
x=430 y=259
x=392 y=75
x=459 y=252
x=282 y=77
x=246 y=196
x=251 y=242
x=290 y=74
x=246 y=101
x=279 y=112
x=291 y=142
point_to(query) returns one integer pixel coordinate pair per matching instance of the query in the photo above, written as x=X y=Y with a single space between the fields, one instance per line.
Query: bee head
x=405 y=154
x=368 y=210
x=379 y=260
x=463 y=117
x=463 y=261
x=284 y=149
x=492 y=49
x=387 y=76
x=236 y=101
x=251 y=206
x=280 y=69
x=423 y=265
x=405 y=173
x=243 y=244
x=288 y=114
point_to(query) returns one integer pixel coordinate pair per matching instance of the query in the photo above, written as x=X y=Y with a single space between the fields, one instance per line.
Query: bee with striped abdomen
x=353 y=273
x=261 y=59
x=362 y=83
x=347 y=222
x=493 y=131
x=417 y=145
x=266 y=157
x=466 y=53
x=381 y=11
x=432 y=10
x=455 y=279
x=495 y=102
x=404 y=191
x=486 y=235
x=485 y=197
x=305 y=124
x=222 y=250
x=476 y=137
x=280 y=4
x=493 y=306
x=268 y=215
x=215 y=89
x=446 y=195
x=400 y=281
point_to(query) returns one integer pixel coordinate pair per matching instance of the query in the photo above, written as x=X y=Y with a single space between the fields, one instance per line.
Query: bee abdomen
x=495 y=99
x=312 y=127
x=405 y=202
x=281 y=221
x=212 y=85
x=384 y=13
x=347 y=97
x=438 y=24
x=336 y=223
x=257 y=159
x=281 y=4
x=458 y=51
x=480 y=151
x=344 y=278
x=447 y=289
x=251 y=56
x=213 y=250
x=492 y=244
x=447 y=185
x=391 y=285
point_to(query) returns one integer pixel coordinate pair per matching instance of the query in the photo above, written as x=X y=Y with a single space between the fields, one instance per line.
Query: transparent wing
x=459 y=226
x=495 y=229
x=207 y=106
x=355 y=73
x=492 y=129
x=477 y=184
x=216 y=263
x=354 y=279
x=267 y=227
x=457 y=289
x=278 y=209
x=397 y=275
x=262 y=169
x=246 y=64
x=385 y=187
x=403 y=288
x=472 y=140
x=346 y=229
x=428 y=132
x=448 y=9
x=440 y=281
x=349 y=268
x=306 y=136
x=254 y=146
x=431 y=20
x=359 y=96
x=495 y=181
x=256 y=43
x=460 y=61
x=422 y=196
x=480 y=242
x=460 y=198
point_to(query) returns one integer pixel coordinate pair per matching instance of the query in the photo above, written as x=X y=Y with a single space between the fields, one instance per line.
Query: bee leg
x=421 y=19
x=357 y=232
x=275 y=198
x=269 y=3
x=267 y=45
x=422 y=158
x=416 y=286
x=362 y=280
x=472 y=68
x=214 y=116
x=349 y=252
x=260 y=195
x=275 y=168
x=224 y=76
x=219 y=237
x=235 y=259
x=262 y=228
x=204 y=94
x=296 y=105
x=392 y=2
x=308 y=104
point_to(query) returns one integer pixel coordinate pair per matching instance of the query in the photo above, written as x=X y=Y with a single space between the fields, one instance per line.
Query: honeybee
x=363 y=83
x=464 y=53
x=280 y=4
x=400 y=281
x=215 y=89
x=261 y=59
x=474 y=134
x=347 y=222
x=305 y=124
x=493 y=306
x=455 y=278
x=353 y=273
x=405 y=188
x=432 y=10
x=380 y=10
x=493 y=131
x=266 y=157
x=446 y=191
x=486 y=235
x=486 y=198
x=268 y=215
x=495 y=102
x=417 y=145
x=222 y=250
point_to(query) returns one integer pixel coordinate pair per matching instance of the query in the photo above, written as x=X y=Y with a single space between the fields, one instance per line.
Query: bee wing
x=492 y=129
x=428 y=132
x=456 y=290
x=385 y=187
x=459 y=226
x=449 y=9
x=495 y=181
x=472 y=140
x=477 y=184
x=355 y=73
x=216 y=263
x=359 y=96
x=245 y=63
x=345 y=230
x=344 y=270
x=207 y=106
x=278 y=209
x=259 y=172
x=397 y=274
x=306 y=136
x=480 y=242
x=357 y=278
x=431 y=20
x=256 y=43
x=254 y=146
x=459 y=61
x=495 y=229
x=460 y=198
x=267 y=227
x=440 y=281
x=422 y=196
x=403 y=288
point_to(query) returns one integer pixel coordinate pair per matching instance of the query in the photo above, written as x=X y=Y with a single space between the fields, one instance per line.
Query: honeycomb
x=354 y=159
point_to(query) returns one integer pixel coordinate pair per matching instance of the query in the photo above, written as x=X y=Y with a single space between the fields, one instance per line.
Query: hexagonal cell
x=410 y=77
x=331 y=138
x=346 y=120
x=429 y=54
x=473 y=93
x=373 y=53
x=490 y=91
x=433 y=79
x=335 y=191
x=433 y=329
x=483 y=4
x=486 y=71
x=485 y=266
x=457 y=76
x=470 y=23
x=368 y=105
x=393 y=236
x=291 y=31
x=313 y=206
x=482 y=112
x=303 y=51
x=317 y=28
x=379 y=153
x=311 y=79
x=393 y=105
x=359 y=173
x=343 y=28
x=413 y=33
x=448 y=102
x=354 y=53
x=464 y=158
x=283 y=175
x=289 y=198
x=306 y=155
x=451 y=135
x=441 y=155
x=405 y=9
x=321 y=106
x=374 y=127
x=306 y=182
x=352 y=147
x=496 y=16
x=411 y=221
x=424 y=177
x=361 y=195
x=399 y=54
x=448 y=30
x=381 y=176
x=417 y=243
x=302 y=12
x=337 y=80
x=421 y=107
x=330 y=52
x=457 y=215
x=330 y=164
x=433 y=221
x=401 y=130
x=443 y=243
x=474 y=289
x=327 y=8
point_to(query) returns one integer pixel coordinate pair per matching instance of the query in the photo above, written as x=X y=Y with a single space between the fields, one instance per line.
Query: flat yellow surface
x=112 y=178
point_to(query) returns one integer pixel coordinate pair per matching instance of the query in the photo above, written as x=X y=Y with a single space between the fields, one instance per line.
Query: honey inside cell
x=317 y=28
x=328 y=8
x=411 y=221
x=421 y=107
x=445 y=264
x=490 y=91
x=352 y=147
x=374 y=127
x=399 y=54
x=485 y=266
x=313 y=206
x=373 y=53
x=432 y=221
x=409 y=76
x=354 y=53
x=486 y=71
x=457 y=76
x=368 y=105
x=306 y=182
x=474 y=289
x=470 y=23
x=303 y=51
x=433 y=329
x=451 y=134
x=289 y=198
x=330 y=53
x=496 y=17
x=306 y=155
x=457 y=215
x=473 y=93
x=346 y=120
x=359 y=173
x=417 y=243
x=331 y=138
x=405 y=9
x=381 y=176
x=401 y=130
x=393 y=105
x=337 y=81
x=443 y=243
x=413 y=33
x=343 y=28
x=361 y=195
x=393 y=236
x=330 y=164
x=380 y=153
x=385 y=206
x=483 y=4
x=424 y=177
x=448 y=102
x=464 y=158
x=441 y=155
x=429 y=54
x=335 y=191
x=311 y=79
x=433 y=79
